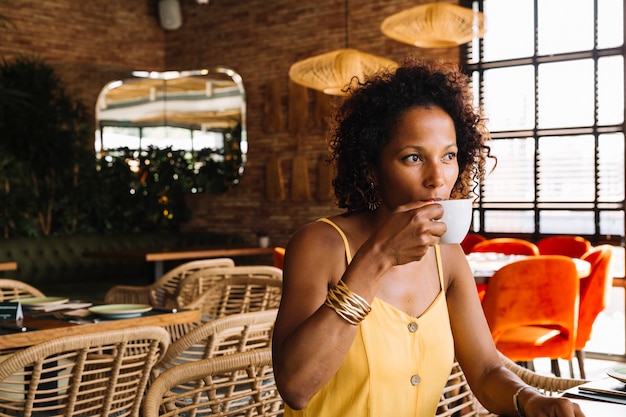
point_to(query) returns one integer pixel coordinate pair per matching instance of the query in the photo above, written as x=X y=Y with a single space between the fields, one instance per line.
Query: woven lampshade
x=332 y=71
x=435 y=25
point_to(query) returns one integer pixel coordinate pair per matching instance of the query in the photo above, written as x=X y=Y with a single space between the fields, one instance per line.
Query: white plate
x=40 y=301
x=120 y=311
x=619 y=373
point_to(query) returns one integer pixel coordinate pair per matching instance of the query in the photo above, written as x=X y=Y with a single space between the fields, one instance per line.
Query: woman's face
x=420 y=161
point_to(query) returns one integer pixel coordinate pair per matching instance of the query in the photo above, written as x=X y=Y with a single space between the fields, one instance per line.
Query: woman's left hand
x=540 y=406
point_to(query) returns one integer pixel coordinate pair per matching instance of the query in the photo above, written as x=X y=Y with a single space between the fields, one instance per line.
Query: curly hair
x=362 y=125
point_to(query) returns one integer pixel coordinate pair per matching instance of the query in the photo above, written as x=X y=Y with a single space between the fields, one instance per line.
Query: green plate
x=120 y=311
x=40 y=301
x=619 y=373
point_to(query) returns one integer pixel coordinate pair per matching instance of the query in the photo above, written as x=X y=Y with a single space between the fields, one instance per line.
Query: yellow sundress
x=397 y=365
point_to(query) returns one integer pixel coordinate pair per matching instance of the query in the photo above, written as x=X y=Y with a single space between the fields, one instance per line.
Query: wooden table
x=8 y=266
x=43 y=327
x=484 y=265
x=158 y=256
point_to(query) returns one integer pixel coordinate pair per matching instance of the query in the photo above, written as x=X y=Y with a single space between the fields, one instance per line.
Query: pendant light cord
x=347 y=13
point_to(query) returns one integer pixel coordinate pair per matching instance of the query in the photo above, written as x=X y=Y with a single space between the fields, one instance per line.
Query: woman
x=373 y=310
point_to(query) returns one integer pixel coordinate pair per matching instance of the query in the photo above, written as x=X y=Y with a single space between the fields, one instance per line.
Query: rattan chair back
x=244 y=381
x=162 y=293
x=100 y=374
x=199 y=282
x=11 y=289
x=236 y=295
x=229 y=385
x=457 y=398
x=224 y=336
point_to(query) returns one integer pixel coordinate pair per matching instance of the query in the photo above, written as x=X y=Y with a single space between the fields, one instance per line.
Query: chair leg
x=554 y=366
x=571 y=368
x=527 y=364
x=580 y=356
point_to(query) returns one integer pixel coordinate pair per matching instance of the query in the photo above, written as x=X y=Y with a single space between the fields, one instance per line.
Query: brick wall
x=93 y=42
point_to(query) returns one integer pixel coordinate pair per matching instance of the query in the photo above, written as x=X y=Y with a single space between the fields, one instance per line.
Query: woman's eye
x=450 y=156
x=412 y=158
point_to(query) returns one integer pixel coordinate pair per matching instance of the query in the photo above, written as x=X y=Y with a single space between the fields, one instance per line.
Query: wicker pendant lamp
x=435 y=25
x=331 y=72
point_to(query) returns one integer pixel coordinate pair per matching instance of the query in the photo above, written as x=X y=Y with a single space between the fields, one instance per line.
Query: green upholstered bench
x=58 y=265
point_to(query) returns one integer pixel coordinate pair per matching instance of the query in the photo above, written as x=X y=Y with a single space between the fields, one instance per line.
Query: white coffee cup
x=457 y=215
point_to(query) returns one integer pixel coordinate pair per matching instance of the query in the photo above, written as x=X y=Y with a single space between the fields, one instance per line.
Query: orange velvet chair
x=279 y=256
x=507 y=246
x=531 y=306
x=595 y=296
x=470 y=240
x=568 y=245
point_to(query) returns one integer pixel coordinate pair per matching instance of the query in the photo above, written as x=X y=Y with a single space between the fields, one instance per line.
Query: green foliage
x=42 y=133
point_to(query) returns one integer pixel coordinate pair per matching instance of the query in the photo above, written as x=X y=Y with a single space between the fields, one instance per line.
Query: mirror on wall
x=196 y=118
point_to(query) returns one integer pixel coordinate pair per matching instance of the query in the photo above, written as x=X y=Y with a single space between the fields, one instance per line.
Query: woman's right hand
x=409 y=232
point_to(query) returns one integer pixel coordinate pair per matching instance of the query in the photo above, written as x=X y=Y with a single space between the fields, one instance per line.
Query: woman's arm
x=493 y=384
x=310 y=340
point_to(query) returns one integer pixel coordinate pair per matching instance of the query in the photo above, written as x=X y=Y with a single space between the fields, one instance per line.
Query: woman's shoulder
x=333 y=235
x=318 y=248
x=324 y=231
x=455 y=265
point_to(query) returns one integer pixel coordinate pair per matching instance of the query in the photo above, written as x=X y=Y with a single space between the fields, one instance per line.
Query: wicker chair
x=236 y=295
x=101 y=374
x=244 y=381
x=457 y=398
x=11 y=289
x=194 y=285
x=162 y=293
x=227 y=335
x=229 y=385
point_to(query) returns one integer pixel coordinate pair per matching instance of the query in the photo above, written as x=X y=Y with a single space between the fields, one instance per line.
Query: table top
x=152 y=255
x=600 y=408
x=45 y=326
x=8 y=266
x=485 y=264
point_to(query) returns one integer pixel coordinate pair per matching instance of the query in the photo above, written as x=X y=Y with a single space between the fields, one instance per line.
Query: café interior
x=242 y=89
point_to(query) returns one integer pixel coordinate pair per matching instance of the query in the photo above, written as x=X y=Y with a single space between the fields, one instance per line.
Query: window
x=549 y=77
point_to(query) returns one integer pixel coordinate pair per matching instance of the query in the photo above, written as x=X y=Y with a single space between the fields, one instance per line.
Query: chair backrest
x=238 y=294
x=11 y=289
x=568 y=245
x=595 y=291
x=166 y=288
x=196 y=283
x=535 y=291
x=278 y=256
x=458 y=399
x=470 y=240
x=98 y=374
x=223 y=336
x=229 y=385
x=507 y=246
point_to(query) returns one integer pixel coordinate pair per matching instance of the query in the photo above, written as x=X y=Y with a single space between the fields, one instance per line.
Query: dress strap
x=343 y=236
x=439 y=264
